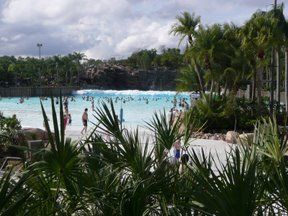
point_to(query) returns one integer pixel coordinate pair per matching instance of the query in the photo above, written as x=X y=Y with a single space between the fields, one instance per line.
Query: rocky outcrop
x=34 y=134
x=113 y=76
x=231 y=137
x=245 y=138
x=210 y=136
x=33 y=138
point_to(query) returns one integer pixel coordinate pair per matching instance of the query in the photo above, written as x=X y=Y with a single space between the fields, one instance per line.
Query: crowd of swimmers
x=124 y=99
x=179 y=105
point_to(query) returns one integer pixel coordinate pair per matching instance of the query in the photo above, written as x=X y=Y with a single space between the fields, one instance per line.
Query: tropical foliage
x=115 y=172
x=226 y=57
x=9 y=127
x=223 y=59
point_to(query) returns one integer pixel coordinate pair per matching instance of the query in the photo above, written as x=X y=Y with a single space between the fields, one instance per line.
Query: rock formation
x=115 y=76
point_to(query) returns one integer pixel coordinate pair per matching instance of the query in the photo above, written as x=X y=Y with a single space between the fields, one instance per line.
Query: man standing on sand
x=85 y=120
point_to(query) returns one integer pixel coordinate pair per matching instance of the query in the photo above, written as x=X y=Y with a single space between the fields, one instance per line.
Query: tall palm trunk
x=57 y=72
x=272 y=83
x=259 y=87
x=219 y=89
x=286 y=79
x=277 y=77
x=78 y=75
x=225 y=89
x=66 y=76
x=249 y=89
x=253 y=93
x=70 y=76
x=200 y=80
x=212 y=88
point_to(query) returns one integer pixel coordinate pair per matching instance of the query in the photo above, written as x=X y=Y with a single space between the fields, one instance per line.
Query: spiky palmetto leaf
x=234 y=188
x=103 y=191
x=190 y=124
x=279 y=192
x=118 y=175
x=42 y=201
x=108 y=121
x=123 y=149
x=146 y=195
x=123 y=153
x=61 y=163
x=269 y=142
x=13 y=195
x=166 y=132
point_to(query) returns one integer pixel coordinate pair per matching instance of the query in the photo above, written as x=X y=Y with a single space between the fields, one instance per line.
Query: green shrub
x=9 y=127
x=222 y=114
x=9 y=123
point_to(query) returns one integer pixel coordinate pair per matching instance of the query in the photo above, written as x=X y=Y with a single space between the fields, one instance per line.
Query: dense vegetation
x=70 y=69
x=125 y=175
x=9 y=127
x=225 y=58
x=228 y=57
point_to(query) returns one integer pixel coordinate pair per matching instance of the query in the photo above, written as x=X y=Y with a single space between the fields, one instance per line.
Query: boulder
x=34 y=134
x=213 y=137
x=31 y=137
x=245 y=138
x=231 y=137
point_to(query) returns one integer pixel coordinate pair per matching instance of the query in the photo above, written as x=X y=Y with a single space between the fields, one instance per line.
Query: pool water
x=138 y=106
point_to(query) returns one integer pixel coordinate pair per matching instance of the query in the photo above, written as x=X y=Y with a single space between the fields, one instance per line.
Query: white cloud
x=103 y=29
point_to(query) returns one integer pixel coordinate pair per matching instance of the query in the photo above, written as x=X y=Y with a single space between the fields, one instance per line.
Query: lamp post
x=39 y=45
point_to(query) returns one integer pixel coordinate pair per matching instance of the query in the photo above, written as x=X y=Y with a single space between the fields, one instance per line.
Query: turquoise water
x=138 y=106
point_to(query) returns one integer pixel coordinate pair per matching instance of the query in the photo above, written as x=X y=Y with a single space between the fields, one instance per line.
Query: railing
x=36 y=91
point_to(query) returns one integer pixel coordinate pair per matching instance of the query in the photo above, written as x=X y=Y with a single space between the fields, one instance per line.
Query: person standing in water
x=65 y=120
x=93 y=107
x=70 y=119
x=85 y=120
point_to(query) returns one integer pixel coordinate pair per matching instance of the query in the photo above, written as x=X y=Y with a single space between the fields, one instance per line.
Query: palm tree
x=257 y=36
x=209 y=51
x=57 y=61
x=186 y=26
x=286 y=79
x=278 y=40
x=286 y=64
x=77 y=58
x=234 y=62
x=188 y=80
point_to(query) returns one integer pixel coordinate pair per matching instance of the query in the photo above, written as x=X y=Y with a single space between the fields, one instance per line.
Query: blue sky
x=107 y=28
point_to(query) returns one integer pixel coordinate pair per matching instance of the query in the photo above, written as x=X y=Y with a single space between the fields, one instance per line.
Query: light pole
x=39 y=45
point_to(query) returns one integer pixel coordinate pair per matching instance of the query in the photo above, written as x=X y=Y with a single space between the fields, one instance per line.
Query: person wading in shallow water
x=85 y=120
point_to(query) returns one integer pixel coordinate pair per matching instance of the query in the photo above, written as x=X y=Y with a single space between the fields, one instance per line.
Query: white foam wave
x=129 y=92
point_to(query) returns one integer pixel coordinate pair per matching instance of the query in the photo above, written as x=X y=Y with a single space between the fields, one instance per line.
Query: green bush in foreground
x=120 y=175
x=9 y=127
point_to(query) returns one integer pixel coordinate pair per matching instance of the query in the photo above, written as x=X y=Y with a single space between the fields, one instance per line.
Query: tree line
x=69 y=69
